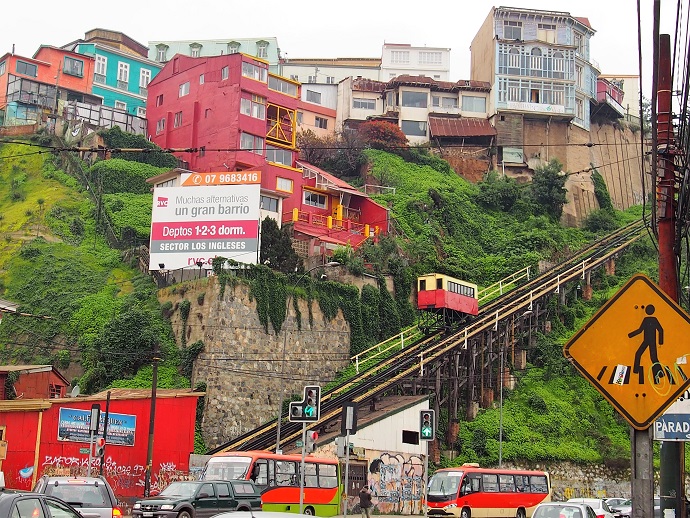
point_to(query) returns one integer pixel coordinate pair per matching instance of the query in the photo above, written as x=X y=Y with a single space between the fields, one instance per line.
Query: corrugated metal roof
x=428 y=82
x=460 y=127
x=361 y=84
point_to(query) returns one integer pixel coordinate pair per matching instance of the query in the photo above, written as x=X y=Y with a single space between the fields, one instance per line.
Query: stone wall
x=246 y=369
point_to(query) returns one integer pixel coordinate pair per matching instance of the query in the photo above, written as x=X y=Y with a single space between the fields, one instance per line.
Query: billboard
x=192 y=225
x=73 y=425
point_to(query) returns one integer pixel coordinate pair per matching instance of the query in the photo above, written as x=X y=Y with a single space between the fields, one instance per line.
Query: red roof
x=460 y=127
x=433 y=84
x=584 y=21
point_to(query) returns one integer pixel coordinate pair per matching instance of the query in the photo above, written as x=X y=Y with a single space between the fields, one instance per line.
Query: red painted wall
x=124 y=465
x=36 y=385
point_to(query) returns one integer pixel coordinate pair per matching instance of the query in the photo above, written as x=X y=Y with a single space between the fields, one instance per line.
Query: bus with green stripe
x=278 y=478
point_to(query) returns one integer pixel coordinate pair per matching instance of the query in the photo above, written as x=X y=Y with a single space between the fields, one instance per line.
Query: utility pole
x=105 y=429
x=672 y=456
x=149 y=453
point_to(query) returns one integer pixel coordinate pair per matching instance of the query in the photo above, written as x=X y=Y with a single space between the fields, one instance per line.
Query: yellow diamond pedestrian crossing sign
x=635 y=351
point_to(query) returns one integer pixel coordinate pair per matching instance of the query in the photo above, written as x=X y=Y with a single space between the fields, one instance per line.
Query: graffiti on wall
x=396 y=481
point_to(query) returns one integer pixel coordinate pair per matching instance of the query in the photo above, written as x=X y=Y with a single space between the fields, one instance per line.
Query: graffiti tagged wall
x=396 y=481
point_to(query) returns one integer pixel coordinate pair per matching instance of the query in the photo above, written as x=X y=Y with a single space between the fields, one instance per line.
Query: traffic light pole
x=347 y=471
x=301 y=468
x=425 y=478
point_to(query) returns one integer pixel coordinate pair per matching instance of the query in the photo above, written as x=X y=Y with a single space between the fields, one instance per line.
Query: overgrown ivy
x=184 y=307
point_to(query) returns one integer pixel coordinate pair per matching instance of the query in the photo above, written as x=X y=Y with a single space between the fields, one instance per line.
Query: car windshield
x=183 y=489
x=84 y=495
x=558 y=511
x=445 y=483
x=227 y=468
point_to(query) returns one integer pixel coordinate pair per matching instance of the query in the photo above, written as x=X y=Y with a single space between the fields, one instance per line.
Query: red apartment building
x=33 y=87
x=228 y=113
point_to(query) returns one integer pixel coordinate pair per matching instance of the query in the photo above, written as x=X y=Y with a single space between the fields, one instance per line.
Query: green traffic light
x=309 y=411
x=426 y=431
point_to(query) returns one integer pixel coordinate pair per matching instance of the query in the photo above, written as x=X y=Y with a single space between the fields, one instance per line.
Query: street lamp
x=282 y=365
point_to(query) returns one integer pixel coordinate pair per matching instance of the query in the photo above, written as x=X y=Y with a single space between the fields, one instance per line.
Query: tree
x=276 y=248
x=498 y=193
x=384 y=135
x=548 y=188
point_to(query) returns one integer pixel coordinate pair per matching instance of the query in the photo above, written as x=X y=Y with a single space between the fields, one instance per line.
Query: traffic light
x=427 y=425
x=309 y=409
x=100 y=446
x=312 y=436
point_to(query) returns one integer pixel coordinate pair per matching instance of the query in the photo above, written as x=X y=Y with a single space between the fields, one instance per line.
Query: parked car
x=621 y=507
x=199 y=499
x=91 y=496
x=563 y=510
x=600 y=507
x=15 y=503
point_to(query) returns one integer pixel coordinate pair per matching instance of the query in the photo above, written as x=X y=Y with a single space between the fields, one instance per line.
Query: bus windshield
x=227 y=468
x=445 y=483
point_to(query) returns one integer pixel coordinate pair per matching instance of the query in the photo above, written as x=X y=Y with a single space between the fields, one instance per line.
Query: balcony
x=143 y=91
x=99 y=78
x=122 y=85
x=340 y=231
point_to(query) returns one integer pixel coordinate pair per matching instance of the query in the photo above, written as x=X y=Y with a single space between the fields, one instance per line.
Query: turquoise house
x=122 y=71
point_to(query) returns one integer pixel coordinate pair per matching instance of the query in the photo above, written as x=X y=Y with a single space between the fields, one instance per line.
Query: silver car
x=563 y=510
x=91 y=496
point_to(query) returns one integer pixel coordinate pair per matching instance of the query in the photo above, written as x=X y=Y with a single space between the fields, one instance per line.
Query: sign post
x=93 y=430
x=349 y=423
x=634 y=351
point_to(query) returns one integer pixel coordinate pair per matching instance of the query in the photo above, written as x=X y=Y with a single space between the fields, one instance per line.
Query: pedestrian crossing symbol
x=634 y=350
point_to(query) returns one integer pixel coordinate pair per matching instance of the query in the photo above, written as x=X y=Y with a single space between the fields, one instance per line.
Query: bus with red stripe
x=278 y=478
x=469 y=491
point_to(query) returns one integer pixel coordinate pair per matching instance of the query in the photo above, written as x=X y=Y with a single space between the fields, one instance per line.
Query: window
x=558 y=97
x=506 y=484
x=252 y=143
x=536 y=61
x=253 y=72
x=184 y=89
x=410 y=437
x=27 y=69
x=538 y=484
x=558 y=65
x=546 y=32
x=177 y=121
x=472 y=103
x=311 y=79
x=294 y=77
x=144 y=80
x=300 y=117
x=328 y=476
x=449 y=102
x=364 y=104
x=400 y=57
x=286 y=473
x=159 y=100
x=233 y=47
x=430 y=58
x=161 y=51
x=100 y=70
x=3 y=67
x=269 y=204
x=195 y=50
x=514 y=61
x=578 y=75
x=414 y=128
x=280 y=85
x=223 y=490
x=122 y=75
x=201 y=79
x=313 y=97
x=160 y=126
x=330 y=80
x=579 y=42
x=28 y=508
x=262 y=49
x=414 y=99
x=224 y=73
x=390 y=100
x=55 y=391
x=321 y=122
x=119 y=105
x=279 y=155
x=315 y=199
x=141 y=112
x=579 y=109
x=512 y=30
x=490 y=483
x=73 y=67
x=284 y=184
x=254 y=107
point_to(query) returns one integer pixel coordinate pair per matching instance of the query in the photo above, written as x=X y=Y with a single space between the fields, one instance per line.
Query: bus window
x=522 y=483
x=490 y=483
x=310 y=479
x=506 y=484
x=538 y=484
x=328 y=475
x=286 y=473
x=260 y=472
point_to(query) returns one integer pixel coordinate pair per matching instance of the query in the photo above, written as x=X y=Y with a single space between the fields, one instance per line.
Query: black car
x=199 y=499
x=24 y=504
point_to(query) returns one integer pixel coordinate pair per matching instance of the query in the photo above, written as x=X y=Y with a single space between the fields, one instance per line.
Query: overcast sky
x=354 y=28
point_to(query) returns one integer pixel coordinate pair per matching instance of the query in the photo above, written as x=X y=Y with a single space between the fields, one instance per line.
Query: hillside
x=106 y=318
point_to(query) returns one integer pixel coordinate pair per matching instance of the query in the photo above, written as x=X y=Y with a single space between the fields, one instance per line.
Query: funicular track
x=411 y=360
